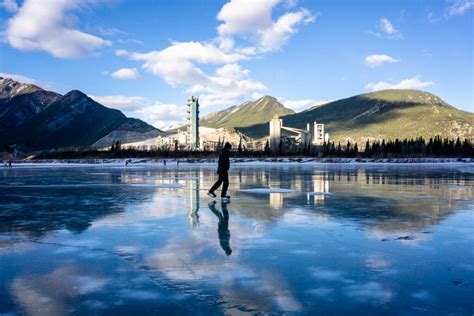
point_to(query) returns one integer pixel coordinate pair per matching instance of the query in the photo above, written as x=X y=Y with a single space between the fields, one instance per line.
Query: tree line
x=407 y=148
x=419 y=147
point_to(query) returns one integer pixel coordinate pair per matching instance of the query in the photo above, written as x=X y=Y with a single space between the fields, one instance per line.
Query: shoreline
x=172 y=162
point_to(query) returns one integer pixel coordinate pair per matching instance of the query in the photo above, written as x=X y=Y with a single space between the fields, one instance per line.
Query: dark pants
x=223 y=178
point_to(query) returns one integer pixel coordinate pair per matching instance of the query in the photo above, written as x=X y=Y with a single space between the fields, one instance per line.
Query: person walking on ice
x=222 y=171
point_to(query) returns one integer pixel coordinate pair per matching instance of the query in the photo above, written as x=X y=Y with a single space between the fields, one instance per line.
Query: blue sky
x=146 y=57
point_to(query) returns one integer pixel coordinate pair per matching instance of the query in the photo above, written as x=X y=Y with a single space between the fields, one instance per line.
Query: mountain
x=20 y=102
x=246 y=114
x=37 y=119
x=387 y=114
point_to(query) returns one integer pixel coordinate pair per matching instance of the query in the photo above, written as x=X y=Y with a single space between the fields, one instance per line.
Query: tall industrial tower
x=275 y=133
x=193 y=122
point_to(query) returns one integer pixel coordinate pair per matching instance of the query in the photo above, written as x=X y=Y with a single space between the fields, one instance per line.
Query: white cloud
x=369 y=292
x=426 y=53
x=42 y=25
x=9 y=5
x=257 y=95
x=273 y=38
x=303 y=104
x=226 y=44
x=298 y=105
x=433 y=17
x=385 y=28
x=120 y=102
x=291 y=3
x=245 y=16
x=121 y=53
x=161 y=115
x=322 y=102
x=224 y=81
x=223 y=91
x=19 y=78
x=129 y=41
x=253 y=19
x=411 y=83
x=176 y=63
x=378 y=60
x=110 y=31
x=126 y=74
x=27 y=80
x=232 y=71
x=229 y=85
x=459 y=7
x=386 y=25
x=158 y=114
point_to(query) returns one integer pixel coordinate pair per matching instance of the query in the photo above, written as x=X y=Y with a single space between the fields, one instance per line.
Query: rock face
x=10 y=88
x=387 y=114
x=20 y=102
x=35 y=119
x=246 y=114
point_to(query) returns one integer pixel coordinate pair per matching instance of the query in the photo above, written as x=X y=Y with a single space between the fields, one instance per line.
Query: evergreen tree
x=338 y=150
x=367 y=150
x=332 y=151
x=239 y=149
x=280 y=147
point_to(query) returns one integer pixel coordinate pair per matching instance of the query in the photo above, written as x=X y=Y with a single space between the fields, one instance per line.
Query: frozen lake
x=295 y=239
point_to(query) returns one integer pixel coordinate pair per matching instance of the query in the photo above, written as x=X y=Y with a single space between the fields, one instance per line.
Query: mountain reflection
x=383 y=198
x=293 y=238
x=392 y=199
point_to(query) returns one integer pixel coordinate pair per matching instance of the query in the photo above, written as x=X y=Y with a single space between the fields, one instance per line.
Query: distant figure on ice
x=222 y=226
x=10 y=163
x=164 y=162
x=222 y=169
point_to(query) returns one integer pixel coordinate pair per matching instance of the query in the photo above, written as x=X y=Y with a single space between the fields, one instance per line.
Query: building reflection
x=194 y=186
x=320 y=188
x=395 y=198
x=276 y=200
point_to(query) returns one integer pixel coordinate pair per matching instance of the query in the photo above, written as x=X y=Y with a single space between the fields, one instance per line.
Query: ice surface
x=305 y=238
x=267 y=190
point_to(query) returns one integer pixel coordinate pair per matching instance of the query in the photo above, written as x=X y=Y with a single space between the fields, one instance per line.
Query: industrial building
x=312 y=135
x=193 y=123
x=280 y=136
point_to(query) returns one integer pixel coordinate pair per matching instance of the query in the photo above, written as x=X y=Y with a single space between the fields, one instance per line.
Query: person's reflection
x=223 y=226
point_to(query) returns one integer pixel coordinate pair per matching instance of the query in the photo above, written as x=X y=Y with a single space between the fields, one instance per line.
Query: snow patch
x=267 y=190
x=319 y=193
x=162 y=186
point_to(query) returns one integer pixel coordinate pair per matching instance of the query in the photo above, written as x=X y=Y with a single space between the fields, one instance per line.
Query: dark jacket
x=224 y=163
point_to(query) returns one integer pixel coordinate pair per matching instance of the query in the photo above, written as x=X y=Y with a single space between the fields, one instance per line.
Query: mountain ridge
x=246 y=114
x=36 y=119
x=387 y=114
